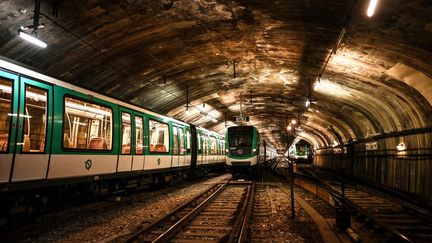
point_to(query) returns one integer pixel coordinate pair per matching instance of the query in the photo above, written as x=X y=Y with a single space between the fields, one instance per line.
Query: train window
x=199 y=143
x=5 y=113
x=86 y=126
x=188 y=141
x=221 y=150
x=240 y=136
x=139 y=133
x=126 y=133
x=205 y=144
x=35 y=120
x=213 y=146
x=175 y=140
x=159 y=137
x=181 y=137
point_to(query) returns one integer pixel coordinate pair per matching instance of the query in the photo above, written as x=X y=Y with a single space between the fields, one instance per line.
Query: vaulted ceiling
x=262 y=56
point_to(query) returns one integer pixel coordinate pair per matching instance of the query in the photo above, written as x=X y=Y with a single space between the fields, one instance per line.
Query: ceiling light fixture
x=293 y=121
x=289 y=127
x=371 y=8
x=31 y=38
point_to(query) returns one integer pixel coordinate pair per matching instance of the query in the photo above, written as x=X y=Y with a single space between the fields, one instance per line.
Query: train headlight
x=254 y=150
x=226 y=150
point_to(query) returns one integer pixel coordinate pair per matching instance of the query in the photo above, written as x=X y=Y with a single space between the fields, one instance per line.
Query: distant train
x=54 y=134
x=301 y=152
x=246 y=149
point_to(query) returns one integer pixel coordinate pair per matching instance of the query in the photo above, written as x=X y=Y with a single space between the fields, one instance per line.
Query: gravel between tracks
x=119 y=219
x=105 y=221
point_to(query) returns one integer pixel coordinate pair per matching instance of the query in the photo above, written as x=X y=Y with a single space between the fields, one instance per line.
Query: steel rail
x=352 y=204
x=133 y=237
x=164 y=237
x=245 y=222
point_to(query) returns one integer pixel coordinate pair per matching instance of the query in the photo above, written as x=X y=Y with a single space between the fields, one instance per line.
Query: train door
x=182 y=150
x=205 y=149
x=176 y=152
x=200 y=150
x=193 y=147
x=138 y=151
x=126 y=140
x=8 y=107
x=33 y=128
x=188 y=157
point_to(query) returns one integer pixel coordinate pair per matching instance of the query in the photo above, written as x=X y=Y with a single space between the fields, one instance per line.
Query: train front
x=242 y=151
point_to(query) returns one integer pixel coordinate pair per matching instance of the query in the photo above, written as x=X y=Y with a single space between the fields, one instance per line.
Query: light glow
x=6 y=89
x=289 y=127
x=371 y=8
x=293 y=121
x=31 y=39
x=76 y=106
x=401 y=146
x=307 y=104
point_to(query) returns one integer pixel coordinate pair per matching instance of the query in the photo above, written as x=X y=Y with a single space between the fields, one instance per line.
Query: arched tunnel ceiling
x=148 y=52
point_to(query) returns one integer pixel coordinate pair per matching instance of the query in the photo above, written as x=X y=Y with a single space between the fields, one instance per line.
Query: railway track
x=399 y=220
x=263 y=212
x=217 y=215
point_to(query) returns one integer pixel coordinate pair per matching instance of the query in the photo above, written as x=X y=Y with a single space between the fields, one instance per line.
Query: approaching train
x=301 y=152
x=246 y=149
x=54 y=134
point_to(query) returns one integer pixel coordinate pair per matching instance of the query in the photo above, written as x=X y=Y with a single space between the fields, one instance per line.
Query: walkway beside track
x=328 y=235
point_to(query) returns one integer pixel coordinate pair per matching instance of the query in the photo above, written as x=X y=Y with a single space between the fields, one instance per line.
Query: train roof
x=8 y=65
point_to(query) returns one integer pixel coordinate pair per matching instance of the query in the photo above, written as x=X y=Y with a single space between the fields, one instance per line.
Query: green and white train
x=55 y=133
x=246 y=149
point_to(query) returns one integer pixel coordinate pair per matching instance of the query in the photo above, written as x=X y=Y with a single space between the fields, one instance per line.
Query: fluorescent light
x=371 y=8
x=31 y=39
x=5 y=88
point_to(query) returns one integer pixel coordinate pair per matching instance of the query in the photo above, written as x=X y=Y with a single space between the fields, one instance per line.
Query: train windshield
x=240 y=136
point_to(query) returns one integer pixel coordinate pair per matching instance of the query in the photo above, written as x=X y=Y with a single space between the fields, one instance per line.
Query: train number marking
x=158 y=161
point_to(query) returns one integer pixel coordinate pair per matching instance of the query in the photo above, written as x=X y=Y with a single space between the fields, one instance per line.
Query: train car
x=54 y=134
x=246 y=149
x=300 y=152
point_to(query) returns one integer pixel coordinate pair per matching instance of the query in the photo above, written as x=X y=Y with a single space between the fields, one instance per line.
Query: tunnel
x=359 y=87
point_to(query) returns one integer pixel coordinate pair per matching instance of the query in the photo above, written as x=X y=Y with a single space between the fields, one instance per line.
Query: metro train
x=301 y=152
x=245 y=149
x=54 y=134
